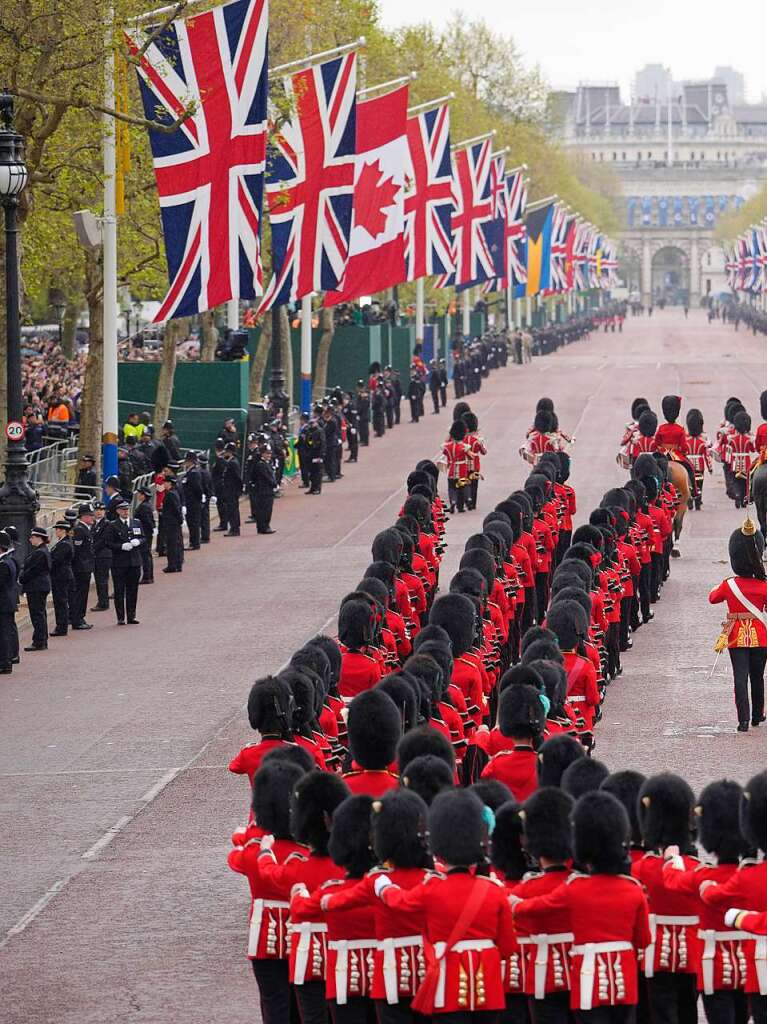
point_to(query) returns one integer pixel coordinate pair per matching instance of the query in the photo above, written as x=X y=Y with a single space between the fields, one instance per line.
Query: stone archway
x=670 y=276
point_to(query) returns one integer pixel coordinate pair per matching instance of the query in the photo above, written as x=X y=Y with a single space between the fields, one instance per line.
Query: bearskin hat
x=427 y=775
x=418 y=477
x=314 y=657
x=732 y=400
x=427 y=466
x=349 y=845
x=496 y=517
x=292 y=753
x=409 y=523
x=515 y=513
x=421 y=741
x=647 y=423
x=536 y=633
x=545 y=405
x=419 y=508
x=400 y=830
x=455 y=613
x=763 y=405
x=355 y=624
x=426 y=667
x=587 y=534
x=457 y=430
x=742 y=422
x=272 y=786
x=536 y=493
x=746 y=550
x=431 y=632
x=601 y=834
x=480 y=542
x=375 y=589
x=442 y=655
x=483 y=562
x=637 y=405
x=520 y=675
x=491 y=792
x=506 y=853
x=564 y=467
x=601 y=517
x=554 y=681
x=408 y=546
x=572 y=593
x=651 y=486
x=694 y=421
x=546 y=650
x=753 y=811
x=520 y=712
x=375 y=729
x=459 y=409
x=570 y=623
x=583 y=552
x=665 y=812
x=315 y=798
x=625 y=786
x=616 y=497
x=458 y=828
x=549 y=474
x=645 y=465
x=501 y=538
x=547 y=831
x=471 y=421
x=385 y=572
x=470 y=582
x=576 y=567
x=405 y=696
x=523 y=499
x=387 y=546
x=269 y=707
x=304 y=696
x=671 y=406
x=717 y=815
x=583 y=777
x=555 y=756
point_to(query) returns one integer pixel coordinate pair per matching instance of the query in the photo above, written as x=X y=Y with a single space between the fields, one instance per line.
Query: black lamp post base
x=18 y=501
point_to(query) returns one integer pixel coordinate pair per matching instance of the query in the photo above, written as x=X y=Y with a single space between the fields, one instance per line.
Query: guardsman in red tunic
x=314 y=800
x=606 y=911
x=672 y=957
x=671 y=438
x=722 y=974
x=477 y=448
x=375 y=729
x=400 y=843
x=741 y=456
x=644 y=437
x=456 y=456
x=569 y=622
x=465 y=917
x=351 y=941
x=540 y=439
x=630 y=432
x=761 y=430
x=269 y=714
x=268 y=937
x=521 y=718
x=732 y=406
x=698 y=452
x=746 y=890
x=455 y=613
x=744 y=632
x=360 y=670
x=509 y=866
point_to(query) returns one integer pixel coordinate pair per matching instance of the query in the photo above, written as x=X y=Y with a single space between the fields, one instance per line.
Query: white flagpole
x=419 y=311
x=233 y=314
x=306 y=353
x=109 y=270
x=466 y=309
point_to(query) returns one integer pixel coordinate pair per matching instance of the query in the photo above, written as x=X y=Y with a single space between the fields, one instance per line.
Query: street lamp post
x=59 y=309
x=277 y=393
x=18 y=502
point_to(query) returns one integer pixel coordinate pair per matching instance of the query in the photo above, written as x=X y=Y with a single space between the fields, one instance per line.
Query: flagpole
x=541 y=202
x=422 y=108
x=470 y=142
x=306 y=353
x=109 y=269
x=317 y=58
x=393 y=83
x=466 y=311
x=233 y=314
x=419 y=314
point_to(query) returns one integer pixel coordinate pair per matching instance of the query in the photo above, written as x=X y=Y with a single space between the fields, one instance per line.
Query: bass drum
x=623 y=460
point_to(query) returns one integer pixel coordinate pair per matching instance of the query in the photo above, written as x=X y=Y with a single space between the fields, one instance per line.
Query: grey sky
x=609 y=39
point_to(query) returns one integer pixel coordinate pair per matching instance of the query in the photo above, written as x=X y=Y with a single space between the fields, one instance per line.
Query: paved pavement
x=116 y=804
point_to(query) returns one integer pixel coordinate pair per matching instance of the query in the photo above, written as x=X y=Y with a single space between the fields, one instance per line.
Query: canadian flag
x=377 y=244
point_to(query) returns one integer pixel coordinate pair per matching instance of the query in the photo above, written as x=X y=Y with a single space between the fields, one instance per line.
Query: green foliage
x=735 y=222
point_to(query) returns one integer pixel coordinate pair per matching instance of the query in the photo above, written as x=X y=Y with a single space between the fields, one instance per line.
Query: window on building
x=615 y=156
x=601 y=156
x=649 y=156
x=708 y=258
x=692 y=157
x=623 y=156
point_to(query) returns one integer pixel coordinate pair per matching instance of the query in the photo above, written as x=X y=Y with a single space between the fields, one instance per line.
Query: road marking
x=37 y=908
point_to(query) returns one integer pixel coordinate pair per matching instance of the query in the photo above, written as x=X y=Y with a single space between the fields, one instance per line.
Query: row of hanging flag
x=667 y=211
x=746 y=261
x=362 y=193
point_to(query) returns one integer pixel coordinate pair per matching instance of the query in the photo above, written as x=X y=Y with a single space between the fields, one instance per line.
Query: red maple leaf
x=373 y=194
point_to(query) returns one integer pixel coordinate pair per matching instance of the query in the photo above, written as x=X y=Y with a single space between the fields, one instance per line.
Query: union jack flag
x=429 y=198
x=210 y=170
x=581 y=243
x=516 y=201
x=472 y=210
x=559 y=249
x=731 y=268
x=310 y=181
x=494 y=230
x=609 y=264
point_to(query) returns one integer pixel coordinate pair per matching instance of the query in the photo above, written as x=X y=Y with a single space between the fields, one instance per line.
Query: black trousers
x=126 y=590
x=554 y=1009
x=60 y=594
x=264 y=503
x=645 y=584
x=162 y=533
x=414 y=410
x=758 y=1007
x=364 y=431
x=673 y=998
x=101 y=578
x=147 y=564
x=390 y=415
x=456 y=495
x=435 y=400
x=174 y=546
x=7 y=629
x=748 y=666
x=36 y=602
x=607 y=1015
x=541 y=594
x=379 y=424
x=81 y=589
x=353 y=441
x=312 y=1005
x=233 y=515
x=194 y=524
x=273 y=990
x=626 y=605
x=656 y=576
x=443 y=394
x=315 y=477
x=398 y=1013
x=355 y=1011
x=304 y=464
x=726 y=1007
x=223 y=521
x=473 y=489
x=205 y=524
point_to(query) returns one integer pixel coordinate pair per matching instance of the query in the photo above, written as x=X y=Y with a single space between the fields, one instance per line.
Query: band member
x=455 y=453
x=477 y=448
x=740 y=455
x=699 y=453
x=540 y=439
x=671 y=438
x=644 y=435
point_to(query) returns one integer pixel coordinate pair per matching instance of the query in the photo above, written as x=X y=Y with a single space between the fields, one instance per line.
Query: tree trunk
x=258 y=368
x=287 y=353
x=208 y=337
x=174 y=331
x=92 y=404
x=323 y=354
x=3 y=349
x=69 y=327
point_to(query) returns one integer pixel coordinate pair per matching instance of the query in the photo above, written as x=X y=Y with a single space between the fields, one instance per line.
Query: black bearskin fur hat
x=404 y=696
x=545 y=404
x=498 y=528
x=671 y=405
x=431 y=632
x=471 y=421
x=314 y=657
x=292 y=753
x=455 y=613
x=543 y=422
x=625 y=786
x=304 y=693
x=520 y=675
x=584 y=776
x=572 y=593
x=694 y=422
x=333 y=654
x=554 y=682
x=637 y=405
x=515 y=513
x=375 y=729
x=355 y=624
x=459 y=409
x=520 y=712
x=457 y=430
x=601 y=517
x=525 y=502
x=376 y=589
x=270 y=707
x=536 y=633
x=481 y=542
x=506 y=853
x=470 y=582
x=439 y=652
x=427 y=775
x=419 y=507
x=387 y=546
x=648 y=423
x=546 y=824
x=315 y=798
x=583 y=552
x=483 y=562
x=570 y=623
x=548 y=650
x=385 y=572
x=422 y=741
x=753 y=811
x=491 y=792
x=742 y=422
x=417 y=477
x=426 y=667
x=458 y=828
x=601 y=834
x=616 y=497
x=665 y=812
x=718 y=819
x=400 y=830
x=427 y=466
x=272 y=786
x=763 y=405
x=574 y=567
x=646 y=465
x=349 y=846
x=555 y=756
x=746 y=550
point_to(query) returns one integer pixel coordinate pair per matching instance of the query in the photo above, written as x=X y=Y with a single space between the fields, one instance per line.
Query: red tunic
x=740 y=454
x=249 y=759
x=582 y=689
x=672 y=437
x=267 y=939
x=359 y=672
x=456 y=454
x=745 y=889
x=517 y=768
x=674 y=945
x=546 y=955
x=369 y=782
x=749 y=631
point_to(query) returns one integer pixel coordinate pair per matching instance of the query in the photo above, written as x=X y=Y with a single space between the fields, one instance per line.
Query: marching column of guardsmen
x=429 y=836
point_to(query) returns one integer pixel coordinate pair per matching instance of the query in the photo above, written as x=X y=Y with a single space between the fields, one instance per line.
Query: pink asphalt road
x=117 y=805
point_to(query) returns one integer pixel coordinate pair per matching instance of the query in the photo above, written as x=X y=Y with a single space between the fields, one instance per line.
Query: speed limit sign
x=14 y=431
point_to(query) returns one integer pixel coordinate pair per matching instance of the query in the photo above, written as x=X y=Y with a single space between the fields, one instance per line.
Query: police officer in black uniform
x=443 y=382
x=363 y=412
x=217 y=477
x=83 y=564
x=207 y=494
x=125 y=538
x=261 y=484
x=36 y=581
x=171 y=523
x=62 y=577
x=315 y=447
x=191 y=483
x=86 y=482
x=8 y=601
x=231 y=488
x=351 y=415
x=145 y=515
x=102 y=556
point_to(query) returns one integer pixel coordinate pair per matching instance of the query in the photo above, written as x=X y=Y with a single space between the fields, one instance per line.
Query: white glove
x=731 y=916
x=135 y=543
x=214 y=500
x=267 y=842
x=127 y=546
x=204 y=499
x=183 y=509
x=381 y=883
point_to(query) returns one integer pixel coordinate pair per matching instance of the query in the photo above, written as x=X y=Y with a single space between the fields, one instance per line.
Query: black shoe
x=121 y=622
x=270 y=530
x=83 y=625
x=219 y=529
x=142 y=583
x=231 y=533
x=16 y=661
x=757 y=721
x=58 y=632
x=6 y=671
x=133 y=622
x=251 y=519
x=32 y=647
x=101 y=607
x=742 y=726
x=171 y=570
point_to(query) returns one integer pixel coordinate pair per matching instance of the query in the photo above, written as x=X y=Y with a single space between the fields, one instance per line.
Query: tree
x=323 y=354
x=92 y=404
x=175 y=331
x=258 y=365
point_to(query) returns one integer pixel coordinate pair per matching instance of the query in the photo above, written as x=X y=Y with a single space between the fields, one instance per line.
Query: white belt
x=760 y=960
x=575 y=700
x=440 y=948
x=305 y=931
x=542 y=943
x=662 y=919
x=390 y=976
x=589 y=951
x=342 y=948
x=710 y=939
x=259 y=906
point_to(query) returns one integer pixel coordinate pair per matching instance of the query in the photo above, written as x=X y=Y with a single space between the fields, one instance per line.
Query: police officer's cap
x=168 y=425
x=360 y=383
x=62 y=524
x=190 y=457
x=230 y=447
x=252 y=438
x=175 y=465
x=88 y=458
x=203 y=458
x=113 y=481
x=71 y=515
x=5 y=540
x=84 y=509
x=98 y=505
x=145 y=491
x=38 y=531
x=123 y=504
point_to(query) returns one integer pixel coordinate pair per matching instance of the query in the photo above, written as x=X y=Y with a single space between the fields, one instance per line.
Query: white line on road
x=26 y=919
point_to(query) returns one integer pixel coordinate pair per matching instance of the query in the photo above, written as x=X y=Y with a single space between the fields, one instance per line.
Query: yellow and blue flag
x=539 y=225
